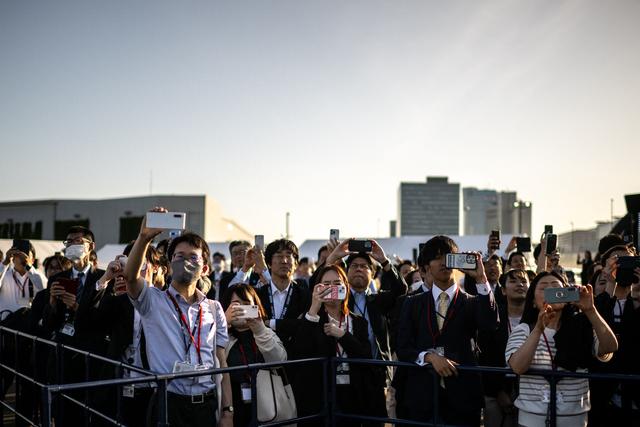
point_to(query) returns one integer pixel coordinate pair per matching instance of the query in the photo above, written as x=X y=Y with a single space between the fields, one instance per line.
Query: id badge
x=204 y=378
x=545 y=395
x=128 y=391
x=342 y=376
x=179 y=367
x=68 y=329
x=246 y=392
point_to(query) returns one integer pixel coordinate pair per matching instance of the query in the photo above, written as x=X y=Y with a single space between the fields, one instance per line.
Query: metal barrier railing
x=330 y=412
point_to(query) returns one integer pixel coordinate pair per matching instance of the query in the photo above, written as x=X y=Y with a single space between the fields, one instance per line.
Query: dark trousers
x=184 y=413
x=136 y=410
x=448 y=413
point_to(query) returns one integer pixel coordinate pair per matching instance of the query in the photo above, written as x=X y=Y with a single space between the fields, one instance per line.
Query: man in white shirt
x=19 y=281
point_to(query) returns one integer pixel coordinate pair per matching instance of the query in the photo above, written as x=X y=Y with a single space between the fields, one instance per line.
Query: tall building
x=486 y=210
x=429 y=208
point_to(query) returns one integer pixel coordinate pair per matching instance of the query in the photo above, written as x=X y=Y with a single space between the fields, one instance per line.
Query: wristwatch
x=227 y=409
x=384 y=263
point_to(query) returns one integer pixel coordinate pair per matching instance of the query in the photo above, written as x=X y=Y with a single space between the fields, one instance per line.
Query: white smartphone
x=167 y=220
x=249 y=312
x=259 y=241
x=334 y=234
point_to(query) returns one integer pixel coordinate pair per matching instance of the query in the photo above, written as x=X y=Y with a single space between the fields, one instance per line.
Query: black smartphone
x=624 y=273
x=360 y=245
x=548 y=229
x=495 y=234
x=21 y=245
x=523 y=244
x=552 y=243
x=415 y=255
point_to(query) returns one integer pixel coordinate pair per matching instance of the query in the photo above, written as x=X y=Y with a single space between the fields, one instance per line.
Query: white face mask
x=415 y=286
x=217 y=267
x=75 y=252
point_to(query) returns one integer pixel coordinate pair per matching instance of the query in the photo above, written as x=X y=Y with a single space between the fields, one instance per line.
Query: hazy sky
x=322 y=108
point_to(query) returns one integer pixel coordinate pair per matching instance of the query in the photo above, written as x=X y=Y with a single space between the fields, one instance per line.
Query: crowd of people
x=171 y=306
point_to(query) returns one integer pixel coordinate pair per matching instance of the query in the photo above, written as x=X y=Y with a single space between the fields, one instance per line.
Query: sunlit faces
x=283 y=264
x=516 y=286
x=184 y=251
x=544 y=283
x=329 y=278
x=437 y=269
x=359 y=274
x=518 y=262
x=493 y=269
x=236 y=300
x=237 y=254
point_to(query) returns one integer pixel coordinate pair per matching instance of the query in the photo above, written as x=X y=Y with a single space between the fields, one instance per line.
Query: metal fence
x=51 y=395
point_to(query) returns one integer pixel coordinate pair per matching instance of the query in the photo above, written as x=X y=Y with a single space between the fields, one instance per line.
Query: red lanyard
x=340 y=326
x=184 y=324
x=451 y=313
x=553 y=365
x=21 y=287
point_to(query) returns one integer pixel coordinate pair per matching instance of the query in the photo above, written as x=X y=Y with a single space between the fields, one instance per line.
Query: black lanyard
x=21 y=286
x=355 y=304
x=285 y=307
x=182 y=319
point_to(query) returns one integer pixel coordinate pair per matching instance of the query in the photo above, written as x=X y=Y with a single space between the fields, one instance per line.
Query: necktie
x=80 y=279
x=443 y=306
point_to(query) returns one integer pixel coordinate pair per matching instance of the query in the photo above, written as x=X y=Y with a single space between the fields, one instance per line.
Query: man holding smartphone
x=184 y=331
x=19 y=281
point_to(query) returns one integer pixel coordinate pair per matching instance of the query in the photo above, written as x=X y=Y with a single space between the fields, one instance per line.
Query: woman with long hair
x=558 y=336
x=330 y=329
x=250 y=341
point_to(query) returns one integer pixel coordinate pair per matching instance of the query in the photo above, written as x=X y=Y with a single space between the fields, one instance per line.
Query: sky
x=322 y=108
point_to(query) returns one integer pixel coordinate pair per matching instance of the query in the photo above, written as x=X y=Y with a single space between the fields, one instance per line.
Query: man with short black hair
x=284 y=299
x=184 y=330
x=439 y=327
x=19 y=281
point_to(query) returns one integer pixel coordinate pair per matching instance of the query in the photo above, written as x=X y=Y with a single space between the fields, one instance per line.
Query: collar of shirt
x=275 y=291
x=451 y=291
x=425 y=288
x=74 y=272
x=21 y=276
x=199 y=295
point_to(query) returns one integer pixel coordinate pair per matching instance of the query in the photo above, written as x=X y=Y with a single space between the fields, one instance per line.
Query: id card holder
x=204 y=378
x=546 y=395
x=179 y=367
x=246 y=392
x=128 y=391
x=342 y=374
x=68 y=329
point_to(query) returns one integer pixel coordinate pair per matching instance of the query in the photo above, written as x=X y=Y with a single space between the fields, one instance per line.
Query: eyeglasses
x=196 y=259
x=239 y=252
x=76 y=241
x=357 y=266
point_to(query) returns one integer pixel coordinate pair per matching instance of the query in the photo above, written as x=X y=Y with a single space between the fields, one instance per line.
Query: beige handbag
x=275 y=397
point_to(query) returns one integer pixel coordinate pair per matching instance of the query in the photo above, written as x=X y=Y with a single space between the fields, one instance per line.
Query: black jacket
x=89 y=332
x=365 y=393
x=379 y=308
x=467 y=315
x=299 y=303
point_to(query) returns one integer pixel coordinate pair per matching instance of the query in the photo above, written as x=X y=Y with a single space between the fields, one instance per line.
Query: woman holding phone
x=330 y=329
x=250 y=341
x=557 y=336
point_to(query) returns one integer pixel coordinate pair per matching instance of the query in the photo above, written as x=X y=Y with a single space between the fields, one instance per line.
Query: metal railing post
x=332 y=383
x=163 y=412
x=119 y=395
x=85 y=414
x=552 y=401
x=325 y=392
x=46 y=407
x=253 y=372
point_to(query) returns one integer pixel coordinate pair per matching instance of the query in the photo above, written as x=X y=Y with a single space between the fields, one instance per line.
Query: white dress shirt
x=11 y=292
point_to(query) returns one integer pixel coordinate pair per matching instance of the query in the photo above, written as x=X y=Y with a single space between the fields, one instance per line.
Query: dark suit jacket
x=299 y=303
x=467 y=314
x=227 y=277
x=365 y=394
x=89 y=332
x=380 y=306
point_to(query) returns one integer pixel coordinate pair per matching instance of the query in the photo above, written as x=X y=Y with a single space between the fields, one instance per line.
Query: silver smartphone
x=560 y=295
x=461 y=261
x=249 y=312
x=259 y=241
x=167 y=220
x=334 y=234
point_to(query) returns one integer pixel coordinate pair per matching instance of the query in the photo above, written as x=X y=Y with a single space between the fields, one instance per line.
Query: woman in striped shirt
x=557 y=336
